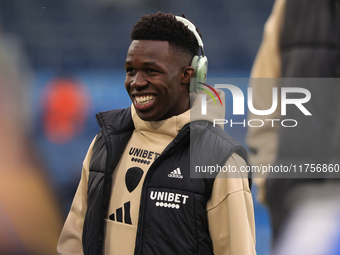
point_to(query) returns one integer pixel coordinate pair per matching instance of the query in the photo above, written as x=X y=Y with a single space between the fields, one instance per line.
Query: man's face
x=154 y=80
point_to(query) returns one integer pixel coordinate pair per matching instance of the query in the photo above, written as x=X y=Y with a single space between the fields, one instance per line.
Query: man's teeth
x=144 y=99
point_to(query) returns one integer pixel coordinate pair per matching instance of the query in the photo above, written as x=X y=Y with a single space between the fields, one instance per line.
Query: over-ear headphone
x=199 y=63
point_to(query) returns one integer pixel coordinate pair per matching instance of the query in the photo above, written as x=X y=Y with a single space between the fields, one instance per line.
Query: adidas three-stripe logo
x=176 y=174
x=119 y=214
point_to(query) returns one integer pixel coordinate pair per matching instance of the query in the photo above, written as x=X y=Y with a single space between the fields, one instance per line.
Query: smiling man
x=135 y=195
x=157 y=79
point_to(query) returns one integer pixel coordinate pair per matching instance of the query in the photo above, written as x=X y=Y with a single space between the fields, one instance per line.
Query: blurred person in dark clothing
x=301 y=40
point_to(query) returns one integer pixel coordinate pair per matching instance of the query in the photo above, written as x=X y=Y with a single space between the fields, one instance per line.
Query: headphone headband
x=199 y=63
x=192 y=28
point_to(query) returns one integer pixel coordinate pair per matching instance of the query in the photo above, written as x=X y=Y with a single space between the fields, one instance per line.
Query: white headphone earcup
x=202 y=68
x=200 y=65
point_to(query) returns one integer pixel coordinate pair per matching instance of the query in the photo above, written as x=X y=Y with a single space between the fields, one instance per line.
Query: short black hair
x=165 y=27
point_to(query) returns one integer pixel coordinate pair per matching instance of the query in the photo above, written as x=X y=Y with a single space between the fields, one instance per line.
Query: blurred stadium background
x=73 y=52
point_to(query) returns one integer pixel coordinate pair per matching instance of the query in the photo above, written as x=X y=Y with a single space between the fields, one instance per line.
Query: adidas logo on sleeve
x=176 y=174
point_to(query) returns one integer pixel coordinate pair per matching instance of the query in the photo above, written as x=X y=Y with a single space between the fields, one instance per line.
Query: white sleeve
x=70 y=241
x=230 y=213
